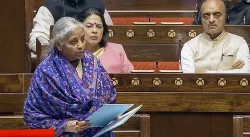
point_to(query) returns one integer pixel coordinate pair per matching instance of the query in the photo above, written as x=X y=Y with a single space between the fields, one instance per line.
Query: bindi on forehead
x=94 y=23
x=93 y=19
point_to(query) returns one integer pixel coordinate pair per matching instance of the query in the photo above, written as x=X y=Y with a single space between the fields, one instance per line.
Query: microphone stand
x=179 y=52
x=149 y=17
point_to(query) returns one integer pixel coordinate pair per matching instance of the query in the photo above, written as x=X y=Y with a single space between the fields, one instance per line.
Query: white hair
x=62 y=29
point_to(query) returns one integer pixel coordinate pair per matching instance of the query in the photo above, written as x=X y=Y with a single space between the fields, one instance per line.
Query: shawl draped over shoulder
x=57 y=94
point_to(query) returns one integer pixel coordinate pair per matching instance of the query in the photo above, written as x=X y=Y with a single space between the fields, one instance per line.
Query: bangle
x=77 y=126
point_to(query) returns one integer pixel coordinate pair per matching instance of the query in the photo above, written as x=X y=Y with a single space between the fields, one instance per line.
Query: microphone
x=157 y=66
x=195 y=8
x=179 y=52
x=64 y=9
x=223 y=55
x=149 y=17
x=244 y=20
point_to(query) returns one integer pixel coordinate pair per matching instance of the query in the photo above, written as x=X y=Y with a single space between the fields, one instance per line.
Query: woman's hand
x=75 y=126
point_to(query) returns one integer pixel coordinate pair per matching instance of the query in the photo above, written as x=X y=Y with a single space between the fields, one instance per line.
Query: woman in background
x=111 y=55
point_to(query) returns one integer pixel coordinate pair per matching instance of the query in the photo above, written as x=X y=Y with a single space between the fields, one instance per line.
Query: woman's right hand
x=75 y=126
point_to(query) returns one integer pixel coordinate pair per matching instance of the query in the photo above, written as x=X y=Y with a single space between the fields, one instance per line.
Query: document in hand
x=107 y=113
x=120 y=120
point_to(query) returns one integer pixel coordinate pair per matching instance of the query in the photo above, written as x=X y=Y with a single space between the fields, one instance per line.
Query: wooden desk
x=190 y=105
x=187 y=110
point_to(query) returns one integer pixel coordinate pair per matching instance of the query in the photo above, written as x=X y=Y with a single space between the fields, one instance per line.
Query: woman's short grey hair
x=62 y=29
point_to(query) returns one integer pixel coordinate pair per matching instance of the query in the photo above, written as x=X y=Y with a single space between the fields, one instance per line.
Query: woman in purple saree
x=68 y=86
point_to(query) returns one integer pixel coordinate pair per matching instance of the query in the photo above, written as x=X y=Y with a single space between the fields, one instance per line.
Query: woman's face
x=93 y=29
x=72 y=47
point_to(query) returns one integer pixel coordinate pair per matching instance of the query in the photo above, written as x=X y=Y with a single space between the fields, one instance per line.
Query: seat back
x=136 y=126
x=168 y=65
x=144 y=65
x=241 y=126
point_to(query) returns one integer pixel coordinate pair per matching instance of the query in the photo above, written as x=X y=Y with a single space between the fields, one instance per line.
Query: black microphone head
x=149 y=17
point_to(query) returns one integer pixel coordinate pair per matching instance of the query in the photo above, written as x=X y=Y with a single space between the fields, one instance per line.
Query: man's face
x=213 y=17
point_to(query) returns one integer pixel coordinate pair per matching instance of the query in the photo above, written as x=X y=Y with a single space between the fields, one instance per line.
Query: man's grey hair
x=62 y=29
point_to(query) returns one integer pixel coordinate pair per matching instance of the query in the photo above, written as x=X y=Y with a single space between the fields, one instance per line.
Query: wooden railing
x=197 y=104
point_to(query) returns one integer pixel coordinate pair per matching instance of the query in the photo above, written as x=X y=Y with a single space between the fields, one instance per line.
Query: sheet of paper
x=121 y=120
x=142 y=71
x=107 y=113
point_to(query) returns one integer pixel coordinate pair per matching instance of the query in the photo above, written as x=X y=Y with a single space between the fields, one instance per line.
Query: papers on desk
x=172 y=23
x=144 y=23
x=107 y=113
x=142 y=71
x=119 y=121
x=170 y=71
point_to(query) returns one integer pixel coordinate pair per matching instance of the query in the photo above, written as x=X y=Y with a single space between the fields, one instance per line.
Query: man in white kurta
x=215 y=50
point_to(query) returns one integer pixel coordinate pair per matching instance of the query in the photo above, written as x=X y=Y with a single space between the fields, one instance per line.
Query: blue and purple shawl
x=57 y=94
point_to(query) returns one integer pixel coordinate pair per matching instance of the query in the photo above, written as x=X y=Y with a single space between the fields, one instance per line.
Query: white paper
x=121 y=120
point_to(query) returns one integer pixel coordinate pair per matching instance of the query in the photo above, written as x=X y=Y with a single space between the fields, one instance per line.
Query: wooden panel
x=189 y=82
x=221 y=123
x=187 y=102
x=246 y=123
x=131 y=134
x=145 y=125
x=132 y=124
x=238 y=126
x=190 y=125
x=11 y=83
x=14 y=57
x=160 y=102
x=12 y=122
x=151 y=5
x=177 y=125
x=161 y=33
x=12 y=102
x=195 y=114
x=26 y=83
x=15 y=83
x=152 y=52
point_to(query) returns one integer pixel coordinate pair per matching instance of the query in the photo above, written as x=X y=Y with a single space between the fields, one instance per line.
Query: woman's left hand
x=77 y=126
x=83 y=125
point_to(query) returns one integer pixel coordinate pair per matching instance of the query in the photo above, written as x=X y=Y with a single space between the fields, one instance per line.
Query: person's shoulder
x=110 y=44
x=193 y=41
x=88 y=56
x=46 y=64
x=234 y=36
x=114 y=46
